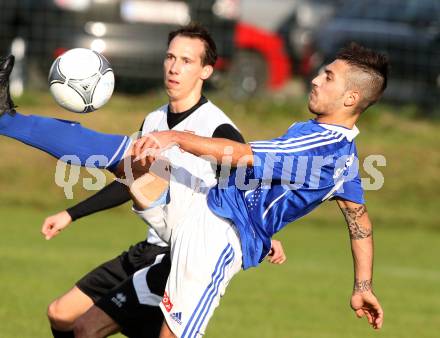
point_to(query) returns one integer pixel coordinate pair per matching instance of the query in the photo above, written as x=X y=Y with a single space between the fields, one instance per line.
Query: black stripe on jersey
x=174 y=118
x=228 y=131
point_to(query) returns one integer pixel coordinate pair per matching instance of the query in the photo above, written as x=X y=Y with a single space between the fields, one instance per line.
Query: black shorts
x=110 y=274
x=115 y=276
x=134 y=303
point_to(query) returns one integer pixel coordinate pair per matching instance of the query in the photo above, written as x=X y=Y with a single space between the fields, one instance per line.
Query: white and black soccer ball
x=81 y=80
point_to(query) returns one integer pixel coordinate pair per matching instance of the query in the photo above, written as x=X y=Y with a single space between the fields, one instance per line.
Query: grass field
x=306 y=297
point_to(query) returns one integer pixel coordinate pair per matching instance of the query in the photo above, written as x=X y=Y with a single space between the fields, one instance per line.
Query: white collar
x=350 y=134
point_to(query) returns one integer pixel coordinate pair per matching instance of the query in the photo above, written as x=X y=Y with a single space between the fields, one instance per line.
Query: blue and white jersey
x=291 y=176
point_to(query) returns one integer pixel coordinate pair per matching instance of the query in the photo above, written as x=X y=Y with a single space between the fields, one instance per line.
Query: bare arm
x=217 y=148
x=363 y=300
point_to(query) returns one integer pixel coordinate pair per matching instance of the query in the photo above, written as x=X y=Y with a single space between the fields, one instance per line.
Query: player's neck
x=181 y=105
x=340 y=120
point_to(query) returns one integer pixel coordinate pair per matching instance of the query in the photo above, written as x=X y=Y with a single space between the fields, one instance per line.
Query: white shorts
x=205 y=255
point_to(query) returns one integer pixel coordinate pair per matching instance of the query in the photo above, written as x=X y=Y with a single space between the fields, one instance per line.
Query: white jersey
x=189 y=173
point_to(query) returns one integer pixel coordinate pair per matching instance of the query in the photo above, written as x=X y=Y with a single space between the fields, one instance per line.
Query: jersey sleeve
x=351 y=191
x=262 y=157
x=229 y=132
x=110 y=196
x=295 y=160
x=273 y=162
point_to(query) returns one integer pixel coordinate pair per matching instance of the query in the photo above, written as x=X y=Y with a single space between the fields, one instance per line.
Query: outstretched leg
x=56 y=137
x=62 y=139
x=69 y=141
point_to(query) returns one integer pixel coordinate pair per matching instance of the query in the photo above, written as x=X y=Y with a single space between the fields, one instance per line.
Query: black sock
x=62 y=334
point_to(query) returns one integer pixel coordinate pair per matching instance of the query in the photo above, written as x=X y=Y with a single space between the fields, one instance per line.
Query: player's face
x=329 y=89
x=183 y=70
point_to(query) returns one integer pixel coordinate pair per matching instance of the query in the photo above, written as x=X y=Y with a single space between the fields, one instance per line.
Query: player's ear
x=352 y=98
x=207 y=72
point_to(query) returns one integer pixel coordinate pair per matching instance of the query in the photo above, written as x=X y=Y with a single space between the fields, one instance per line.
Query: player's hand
x=53 y=225
x=366 y=304
x=276 y=254
x=151 y=145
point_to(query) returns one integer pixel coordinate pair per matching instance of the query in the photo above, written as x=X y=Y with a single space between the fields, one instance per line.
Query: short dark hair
x=374 y=64
x=196 y=31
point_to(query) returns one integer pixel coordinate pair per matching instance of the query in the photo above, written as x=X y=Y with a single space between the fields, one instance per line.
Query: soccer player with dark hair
x=229 y=226
x=95 y=299
x=277 y=182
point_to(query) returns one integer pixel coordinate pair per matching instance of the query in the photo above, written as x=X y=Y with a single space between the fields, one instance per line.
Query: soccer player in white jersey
x=277 y=181
x=114 y=297
x=188 y=63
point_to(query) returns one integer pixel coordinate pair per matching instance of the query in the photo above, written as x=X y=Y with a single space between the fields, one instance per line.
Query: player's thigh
x=134 y=304
x=95 y=323
x=205 y=255
x=110 y=274
x=69 y=306
x=106 y=276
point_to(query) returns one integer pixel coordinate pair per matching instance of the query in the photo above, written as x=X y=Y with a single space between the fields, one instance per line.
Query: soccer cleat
x=6 y=103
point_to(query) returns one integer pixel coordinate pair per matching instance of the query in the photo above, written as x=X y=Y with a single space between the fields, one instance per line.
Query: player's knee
x=52 y=311
x=58 y=316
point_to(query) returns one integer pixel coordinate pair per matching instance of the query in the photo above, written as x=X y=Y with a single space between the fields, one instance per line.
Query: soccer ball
x=81 y=80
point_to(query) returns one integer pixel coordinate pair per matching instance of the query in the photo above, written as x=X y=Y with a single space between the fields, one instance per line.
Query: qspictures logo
x=293 y=170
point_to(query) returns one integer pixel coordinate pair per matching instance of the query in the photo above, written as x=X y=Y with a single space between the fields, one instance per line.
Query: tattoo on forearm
x=355 y=228
x=362 y=285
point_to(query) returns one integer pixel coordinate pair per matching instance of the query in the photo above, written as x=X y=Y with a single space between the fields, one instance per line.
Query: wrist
x=73 y=213
x=361 y=285
x=67 y=216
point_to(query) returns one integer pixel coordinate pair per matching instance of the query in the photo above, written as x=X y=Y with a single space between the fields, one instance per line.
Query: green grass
x=306 y=297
